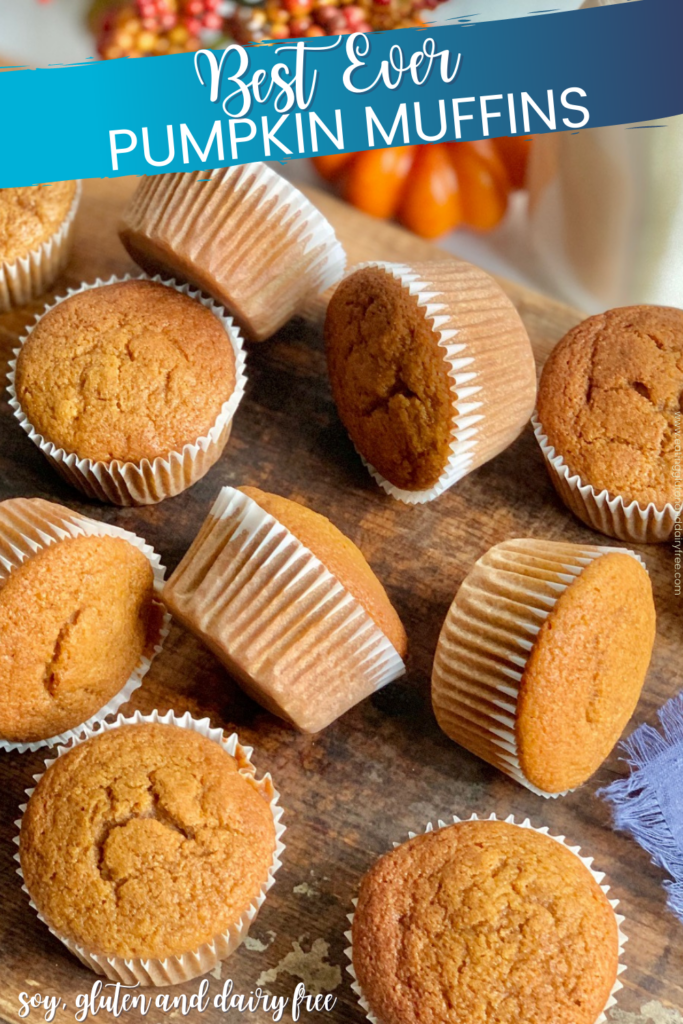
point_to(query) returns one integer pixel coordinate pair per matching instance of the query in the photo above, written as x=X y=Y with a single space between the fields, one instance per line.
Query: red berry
x=354 y=16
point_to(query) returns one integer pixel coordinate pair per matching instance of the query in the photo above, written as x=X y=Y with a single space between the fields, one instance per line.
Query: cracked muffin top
x=145 y=841
x=611 y=399
x=389 y=378
x=484 y=922
x=75 y=620
x=30 y=216
x=126 y=371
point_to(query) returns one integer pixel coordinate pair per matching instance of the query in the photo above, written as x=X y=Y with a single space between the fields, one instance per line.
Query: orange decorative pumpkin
x=432 y=189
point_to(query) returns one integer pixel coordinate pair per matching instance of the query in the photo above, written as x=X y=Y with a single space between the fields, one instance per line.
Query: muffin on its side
x=542 y=659
x=432 y=372
x=242 y=234
x=484 y=921
x=120 y=375
x=78 y=617
x=36 y=224
x=289 y=605
x=608 y=420
x=148 y=848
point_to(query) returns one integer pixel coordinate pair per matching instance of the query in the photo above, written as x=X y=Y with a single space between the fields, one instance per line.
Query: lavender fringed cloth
x=649 y=803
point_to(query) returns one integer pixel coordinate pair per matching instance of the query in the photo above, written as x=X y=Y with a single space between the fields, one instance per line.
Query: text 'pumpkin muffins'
x=542 y=658
x=289 y=605
x=432 y=372
x=129 y=387
x=609 y=421
x=36 y=227
x=242 y=234
x=482 y=921
x=80 y=620
x=149 y=847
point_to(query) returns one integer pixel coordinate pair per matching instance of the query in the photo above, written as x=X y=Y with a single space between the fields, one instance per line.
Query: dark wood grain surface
x=385 y=768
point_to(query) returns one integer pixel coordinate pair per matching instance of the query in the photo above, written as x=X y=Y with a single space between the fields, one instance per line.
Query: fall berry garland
x=153 y=28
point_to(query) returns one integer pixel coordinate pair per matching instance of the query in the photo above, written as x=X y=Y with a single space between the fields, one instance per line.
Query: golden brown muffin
x=609 y=399
x=585 y=673
x=241 y=234
x=542 y=658
x=30 y=216
x=145 y=841
x=394 y=383
x=340 y=556
x=389 y=378
x=290 y=607
x=74 y=621
x=484 y=922
x=126 y=371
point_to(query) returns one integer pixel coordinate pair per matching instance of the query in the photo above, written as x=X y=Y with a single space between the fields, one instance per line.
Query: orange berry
x=514 y=152
x=484 y=199
x=328 y=167
x=432 y=201
x=374 y=181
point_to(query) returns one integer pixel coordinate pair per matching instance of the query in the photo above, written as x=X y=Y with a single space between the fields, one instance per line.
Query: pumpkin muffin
x=289 y=605
x=244 y=235
x=484 y=922
x=431 y=369
x=75 y=619
x=146 y=841
x=31 y=216
x=36 y=228
x=123 y=374
x=610 y=404
x=542 y=659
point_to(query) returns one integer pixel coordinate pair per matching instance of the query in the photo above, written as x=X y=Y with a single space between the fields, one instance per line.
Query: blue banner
x=286 y=100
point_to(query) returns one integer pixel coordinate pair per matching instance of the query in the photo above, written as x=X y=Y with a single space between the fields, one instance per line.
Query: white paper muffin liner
x=602 y=511
x=283 y=625
x=482 y=653
x=30 y=528
x=510 y=820
x=175 y=969
x=471 y=374
x=35 y=273
x=243 y=234
x=145 y=482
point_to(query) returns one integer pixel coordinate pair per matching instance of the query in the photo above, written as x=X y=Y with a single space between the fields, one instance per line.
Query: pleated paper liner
x=29 y=525
x=283 y=625
x=609 y=514
x=487 y=637
x=176 y=969
x=490 y=363
x=242 y=234
x=586 y=861
x=145 y=482
x=35 y=273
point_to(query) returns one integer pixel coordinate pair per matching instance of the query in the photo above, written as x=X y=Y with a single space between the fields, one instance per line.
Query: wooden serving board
x=385 y=768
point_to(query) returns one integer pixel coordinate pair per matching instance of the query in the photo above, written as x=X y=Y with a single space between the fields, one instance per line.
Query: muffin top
x=145 y=841
x=389 y=378
x=599 y=636
x=611 y=398
x=30 y=216
x=74 y=621
x=125 y=371
x=484 y=922
x=340 y=556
